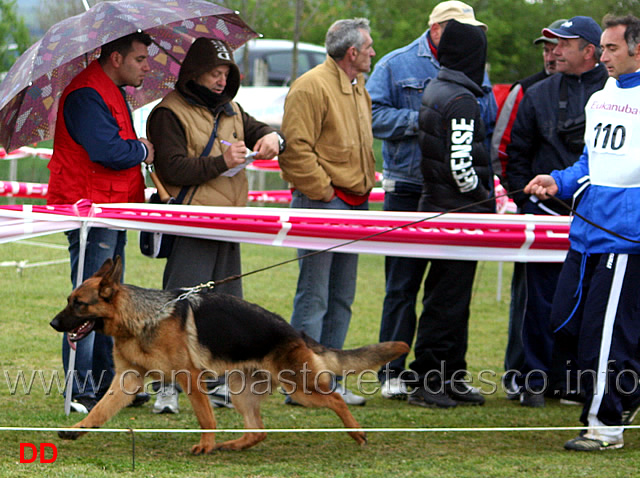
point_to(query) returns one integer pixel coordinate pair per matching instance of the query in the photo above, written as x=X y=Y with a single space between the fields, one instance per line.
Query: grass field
x=32 y=296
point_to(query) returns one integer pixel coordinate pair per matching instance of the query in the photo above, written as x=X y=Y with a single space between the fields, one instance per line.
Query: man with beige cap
x=396 y=86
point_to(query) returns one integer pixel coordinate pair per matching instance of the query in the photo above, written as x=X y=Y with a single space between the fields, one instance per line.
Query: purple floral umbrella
x=30 y=92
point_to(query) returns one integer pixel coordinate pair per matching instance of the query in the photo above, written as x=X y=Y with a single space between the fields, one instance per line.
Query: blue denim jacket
x=396 y=86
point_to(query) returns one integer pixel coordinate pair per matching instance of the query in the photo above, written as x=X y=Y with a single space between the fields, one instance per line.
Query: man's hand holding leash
x=543 y=186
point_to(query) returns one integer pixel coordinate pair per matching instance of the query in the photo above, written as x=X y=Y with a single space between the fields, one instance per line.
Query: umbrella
x=30 y=92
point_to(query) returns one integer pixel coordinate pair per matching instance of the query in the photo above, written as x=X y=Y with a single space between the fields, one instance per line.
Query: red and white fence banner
x=25 y=152
x=283 y=196
x=23 y=190
x=278 y=196
x=489 y=237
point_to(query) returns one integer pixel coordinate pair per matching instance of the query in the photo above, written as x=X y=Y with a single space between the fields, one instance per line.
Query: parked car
x=267 y=82
x=270 y=61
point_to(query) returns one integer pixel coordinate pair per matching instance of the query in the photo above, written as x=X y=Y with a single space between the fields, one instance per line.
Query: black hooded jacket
x=455 y=163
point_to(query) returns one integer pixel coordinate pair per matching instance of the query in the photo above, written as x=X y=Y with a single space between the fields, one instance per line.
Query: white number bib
x=614 y=150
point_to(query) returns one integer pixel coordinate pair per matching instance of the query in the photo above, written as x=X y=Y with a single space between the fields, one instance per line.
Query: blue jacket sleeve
x=91 y=125
x=567 y=179
x=489 y=109
x=388 y=121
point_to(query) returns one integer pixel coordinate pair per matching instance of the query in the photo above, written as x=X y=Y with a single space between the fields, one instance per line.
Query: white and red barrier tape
x=491 y=237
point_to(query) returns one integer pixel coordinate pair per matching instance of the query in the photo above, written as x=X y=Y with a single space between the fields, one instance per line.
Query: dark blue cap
x=576 y=27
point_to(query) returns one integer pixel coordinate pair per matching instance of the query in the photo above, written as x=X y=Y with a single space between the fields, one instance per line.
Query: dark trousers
x=537 y=337
x=403 y=279
x=443 y=328
x=596 y=306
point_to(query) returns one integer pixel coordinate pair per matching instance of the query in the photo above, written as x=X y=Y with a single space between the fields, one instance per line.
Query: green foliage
x=513 y=24
x=13 y=31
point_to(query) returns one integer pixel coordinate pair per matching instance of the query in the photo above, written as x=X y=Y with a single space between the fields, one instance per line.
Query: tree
x=14 y=34
x=513 y=24
x=51 y=12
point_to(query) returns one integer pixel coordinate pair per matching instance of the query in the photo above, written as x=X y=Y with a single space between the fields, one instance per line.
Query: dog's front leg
x=121 y=393
x=202 y=408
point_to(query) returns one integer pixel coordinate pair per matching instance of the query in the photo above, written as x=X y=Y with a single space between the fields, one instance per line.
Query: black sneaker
x=462 y=393
x=83 y=404
x=425 y=397
x=533 y=400
x=141 y=399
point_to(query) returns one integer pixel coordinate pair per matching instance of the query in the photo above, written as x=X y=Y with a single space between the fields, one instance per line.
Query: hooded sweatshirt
x=455 y=162
x=181 y=125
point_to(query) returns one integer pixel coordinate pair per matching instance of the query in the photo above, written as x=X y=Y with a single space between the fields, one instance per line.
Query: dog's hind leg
x=246 y=395
x=323 y=397
x=122 y=391
x=202 y=408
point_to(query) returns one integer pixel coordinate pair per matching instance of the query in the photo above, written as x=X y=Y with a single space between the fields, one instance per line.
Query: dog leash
x=591 y=223
x=211 y=284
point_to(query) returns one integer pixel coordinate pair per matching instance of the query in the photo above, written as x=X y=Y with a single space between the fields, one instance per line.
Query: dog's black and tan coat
x=208 y=331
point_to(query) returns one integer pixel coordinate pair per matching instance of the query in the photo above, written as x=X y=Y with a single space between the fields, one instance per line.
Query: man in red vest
x=97 y=156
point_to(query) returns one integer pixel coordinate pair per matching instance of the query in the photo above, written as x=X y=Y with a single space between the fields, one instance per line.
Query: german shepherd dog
x=161 y=332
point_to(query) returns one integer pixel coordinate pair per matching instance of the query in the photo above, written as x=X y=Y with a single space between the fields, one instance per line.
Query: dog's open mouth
x=81 y=332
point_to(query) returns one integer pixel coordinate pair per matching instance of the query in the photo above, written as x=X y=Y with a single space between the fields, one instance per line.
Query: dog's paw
x=359 y=437
x=68 y=435
x=201 y=449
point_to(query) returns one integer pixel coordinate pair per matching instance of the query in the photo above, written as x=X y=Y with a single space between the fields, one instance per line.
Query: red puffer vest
x=73 y=176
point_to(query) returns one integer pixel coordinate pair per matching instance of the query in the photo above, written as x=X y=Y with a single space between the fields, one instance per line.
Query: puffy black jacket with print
x=455 y=163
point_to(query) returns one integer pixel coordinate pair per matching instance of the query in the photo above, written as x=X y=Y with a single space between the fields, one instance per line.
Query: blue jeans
x=326 y=285
x=94 y=359
x=403 y=278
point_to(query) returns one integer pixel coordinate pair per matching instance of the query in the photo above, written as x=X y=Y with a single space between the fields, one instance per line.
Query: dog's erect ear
x=110 y=277
x=104 y=268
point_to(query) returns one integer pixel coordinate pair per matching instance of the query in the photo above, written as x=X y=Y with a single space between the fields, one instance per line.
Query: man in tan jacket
x=329 y=163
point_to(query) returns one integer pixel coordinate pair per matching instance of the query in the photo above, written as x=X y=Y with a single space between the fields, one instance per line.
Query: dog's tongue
x=81 y=332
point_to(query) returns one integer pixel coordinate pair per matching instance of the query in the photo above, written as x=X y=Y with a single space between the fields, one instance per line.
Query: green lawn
x=32 y=296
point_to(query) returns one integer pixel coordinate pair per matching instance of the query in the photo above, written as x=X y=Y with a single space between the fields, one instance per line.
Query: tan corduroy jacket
x=327 y=123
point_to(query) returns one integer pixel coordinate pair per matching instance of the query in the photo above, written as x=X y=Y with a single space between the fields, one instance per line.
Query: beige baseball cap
x=454 y=10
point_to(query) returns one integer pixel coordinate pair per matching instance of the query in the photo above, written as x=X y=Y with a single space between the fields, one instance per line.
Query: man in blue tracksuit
x=596 y=302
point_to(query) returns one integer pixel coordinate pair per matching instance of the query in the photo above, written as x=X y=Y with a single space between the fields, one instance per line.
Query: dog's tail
x=369 y=357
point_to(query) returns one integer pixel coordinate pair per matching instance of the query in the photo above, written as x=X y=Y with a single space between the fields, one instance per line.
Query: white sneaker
x=219 y=397
x=167 y=400
x=394 y=389
x=349 y=397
